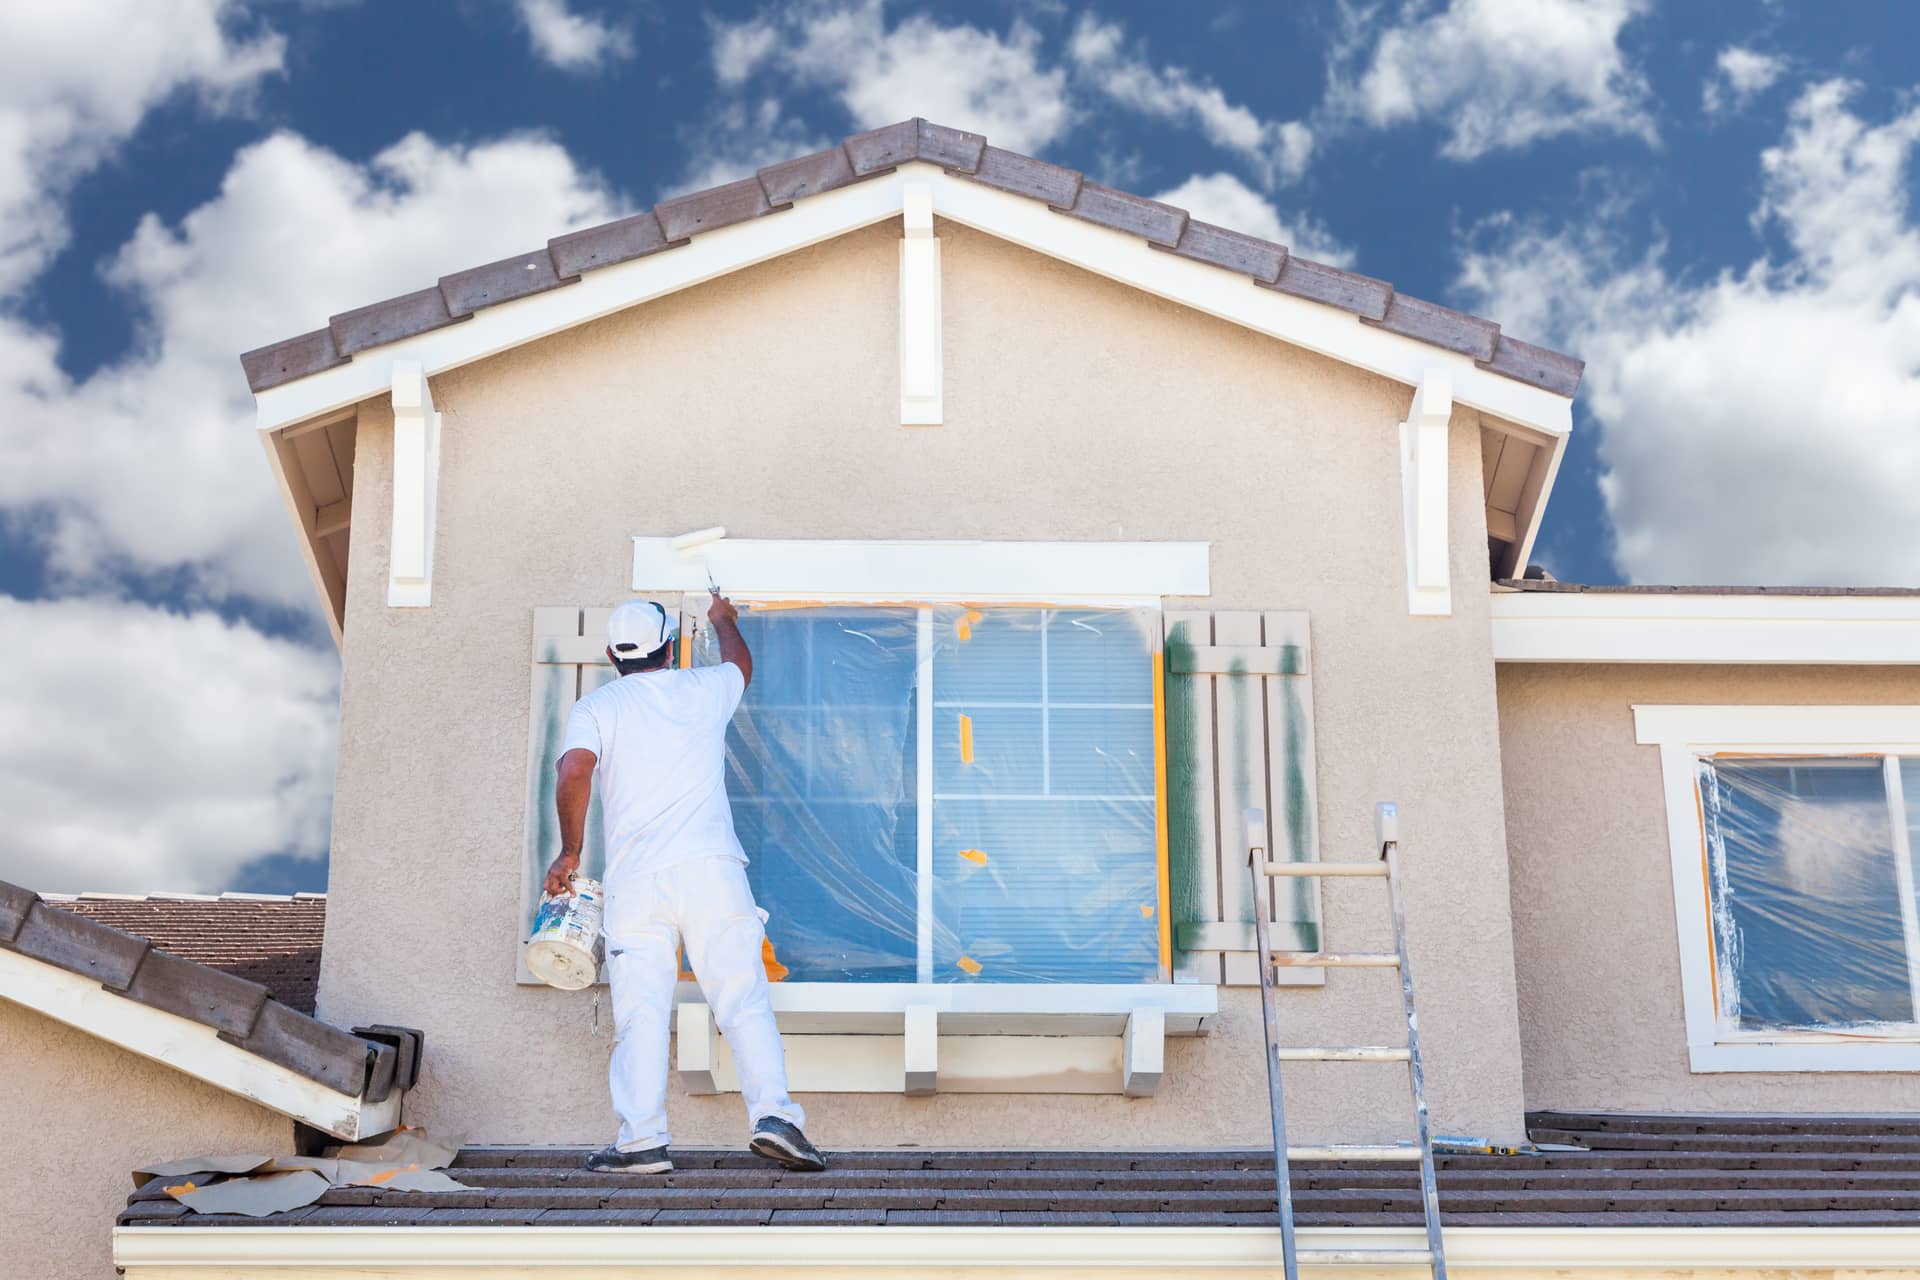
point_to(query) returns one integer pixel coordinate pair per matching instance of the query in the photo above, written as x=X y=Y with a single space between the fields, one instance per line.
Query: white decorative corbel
x=698 y=1046
x=1144 y=1052
x=919 y=310
x=416 y=487
x=1423 y=492
x=922 y=1047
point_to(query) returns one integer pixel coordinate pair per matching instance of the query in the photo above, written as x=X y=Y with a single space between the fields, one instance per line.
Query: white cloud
x=958 y=75
x=1739 y=76
x=1225 y=201
x=567 y=40
x=76 y=79
x=1758 y=427
x=150 y=465
x=142 y=750
x=736 y=138
x=1499 y=74
x=1278 y=150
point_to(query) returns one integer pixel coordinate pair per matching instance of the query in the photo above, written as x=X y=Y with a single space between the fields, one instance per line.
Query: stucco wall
x=79 y=1115
x=1595 y=944
x=767 y=402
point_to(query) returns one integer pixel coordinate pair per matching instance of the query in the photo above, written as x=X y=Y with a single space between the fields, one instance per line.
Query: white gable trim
x=1023 y=221
x=188 y=1047
x=1543 y=626
x=1423 y=495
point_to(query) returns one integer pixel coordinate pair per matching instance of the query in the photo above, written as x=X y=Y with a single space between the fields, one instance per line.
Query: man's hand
x=721 y=610
x=560 y=875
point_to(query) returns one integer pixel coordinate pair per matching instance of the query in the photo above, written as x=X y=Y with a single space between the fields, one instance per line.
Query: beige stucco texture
x=1595 y=944
x=767 y=401
x=79 y=1115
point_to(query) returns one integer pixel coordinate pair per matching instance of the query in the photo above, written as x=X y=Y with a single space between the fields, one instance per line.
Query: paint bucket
x=564 y=950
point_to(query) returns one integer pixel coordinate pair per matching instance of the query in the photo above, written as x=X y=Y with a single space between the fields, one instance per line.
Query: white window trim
x=1683 y=734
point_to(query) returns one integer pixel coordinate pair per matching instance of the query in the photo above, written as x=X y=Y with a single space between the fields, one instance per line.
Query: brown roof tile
x=79 y=935
x=1612 y=1180
x=503 y=281
x=673 y=222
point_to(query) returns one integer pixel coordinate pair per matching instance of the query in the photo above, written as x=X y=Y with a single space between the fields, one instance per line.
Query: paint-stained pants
x=707 y=904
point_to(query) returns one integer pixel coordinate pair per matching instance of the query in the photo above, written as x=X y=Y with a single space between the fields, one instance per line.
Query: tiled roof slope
x=1670 y=1171
x=241 y=1011
x=672 y=223
x=274 y=941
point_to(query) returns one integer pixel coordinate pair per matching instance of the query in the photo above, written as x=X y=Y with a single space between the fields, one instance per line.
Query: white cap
x=641 y=624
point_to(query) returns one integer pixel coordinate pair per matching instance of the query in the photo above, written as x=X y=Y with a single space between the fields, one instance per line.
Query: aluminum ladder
x=1385 y=867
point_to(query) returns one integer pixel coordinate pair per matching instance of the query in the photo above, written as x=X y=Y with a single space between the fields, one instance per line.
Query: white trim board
x=1684 y=734
x=188 y=1047
x=986 y=1008
x=1530 y=626
x=434 y=1253
x=932 y=570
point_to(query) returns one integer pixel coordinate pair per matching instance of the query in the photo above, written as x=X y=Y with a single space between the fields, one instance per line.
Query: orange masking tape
x=974 y=855
x=968 y=964
x=966 y=739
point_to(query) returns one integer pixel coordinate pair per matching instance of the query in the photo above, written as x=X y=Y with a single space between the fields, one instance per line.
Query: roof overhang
x=154 y=1253
x=1542 y=418
x=1771 y=627
x=190 y=1047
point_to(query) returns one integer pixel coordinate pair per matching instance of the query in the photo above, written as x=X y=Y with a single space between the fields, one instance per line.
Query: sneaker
x=614 y=1160
x=782 y=1142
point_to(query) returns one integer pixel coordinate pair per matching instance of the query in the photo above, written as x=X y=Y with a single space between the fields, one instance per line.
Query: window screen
x=1040 y=851
x=1804 y=872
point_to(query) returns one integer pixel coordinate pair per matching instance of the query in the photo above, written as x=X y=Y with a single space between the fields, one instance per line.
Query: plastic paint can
x=564 y=949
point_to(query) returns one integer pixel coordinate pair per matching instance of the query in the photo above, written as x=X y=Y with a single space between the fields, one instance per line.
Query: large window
x=951 y=794
x=1793 y=834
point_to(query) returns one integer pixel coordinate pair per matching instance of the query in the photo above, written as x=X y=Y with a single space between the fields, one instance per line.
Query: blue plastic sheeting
x=1042 y=846
x=1808 y=918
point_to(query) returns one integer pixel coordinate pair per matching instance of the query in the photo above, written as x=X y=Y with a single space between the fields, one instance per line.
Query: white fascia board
x=939 y=570
x=1533 y=626
x=188 y=1047
x=324 y=1253
x=1009 y=1008
x=1019 y=219
x=599 y=293
x=1882 y=728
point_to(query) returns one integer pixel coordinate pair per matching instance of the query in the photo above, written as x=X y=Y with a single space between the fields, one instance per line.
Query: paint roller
x=696 y=543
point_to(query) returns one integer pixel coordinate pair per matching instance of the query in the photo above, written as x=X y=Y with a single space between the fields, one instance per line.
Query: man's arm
x=726 y=629
x=571 y=794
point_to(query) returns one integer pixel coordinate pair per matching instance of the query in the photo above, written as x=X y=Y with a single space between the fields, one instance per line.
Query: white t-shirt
x=661 y=741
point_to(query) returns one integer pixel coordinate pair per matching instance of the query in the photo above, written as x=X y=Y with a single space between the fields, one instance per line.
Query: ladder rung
x=1326 y=869
x=1391 y=1151
x=1367 y=1257
x=1337 y=959
x=1346 y=1053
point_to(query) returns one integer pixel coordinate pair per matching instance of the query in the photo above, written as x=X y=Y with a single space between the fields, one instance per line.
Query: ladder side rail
x=1270 y=1020
x=1429 y=1189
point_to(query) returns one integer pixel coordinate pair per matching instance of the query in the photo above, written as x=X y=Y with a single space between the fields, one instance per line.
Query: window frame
x=1684 y=734
x=927 y=705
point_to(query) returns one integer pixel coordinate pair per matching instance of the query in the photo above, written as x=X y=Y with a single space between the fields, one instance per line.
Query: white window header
x=1114 y=573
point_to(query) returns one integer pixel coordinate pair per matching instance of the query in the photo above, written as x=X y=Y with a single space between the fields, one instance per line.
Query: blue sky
x=1711 y=203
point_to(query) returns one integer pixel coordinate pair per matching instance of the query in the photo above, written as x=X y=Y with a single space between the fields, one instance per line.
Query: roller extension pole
x=1388 y=824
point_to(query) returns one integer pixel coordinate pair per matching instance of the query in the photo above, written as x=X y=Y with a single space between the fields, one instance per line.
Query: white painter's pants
x=707 y=904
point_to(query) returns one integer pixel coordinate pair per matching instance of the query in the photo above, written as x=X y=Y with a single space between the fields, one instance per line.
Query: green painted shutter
x=1239 y=736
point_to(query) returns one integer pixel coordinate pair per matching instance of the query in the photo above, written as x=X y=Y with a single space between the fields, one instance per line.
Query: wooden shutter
x=1239 y=736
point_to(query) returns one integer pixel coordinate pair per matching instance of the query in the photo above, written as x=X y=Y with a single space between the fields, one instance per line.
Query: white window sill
x=1804 y=1053
x=960 y=1038
x=998 y=1008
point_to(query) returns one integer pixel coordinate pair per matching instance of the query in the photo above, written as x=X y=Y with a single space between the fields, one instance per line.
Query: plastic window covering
x=1037 y=861
x=1810 y=889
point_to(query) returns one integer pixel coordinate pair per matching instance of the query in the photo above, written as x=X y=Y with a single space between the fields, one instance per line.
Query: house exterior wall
x=1595 y=943
x=767 y=401
x=79 y=1116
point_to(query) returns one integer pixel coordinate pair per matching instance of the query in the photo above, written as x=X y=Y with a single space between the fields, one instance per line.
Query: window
x=1793 y=833
x=951 y=794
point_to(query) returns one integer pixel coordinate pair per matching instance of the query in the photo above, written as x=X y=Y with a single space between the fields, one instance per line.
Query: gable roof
x=673 y=223
x=270 y=939
x=215 y=1025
